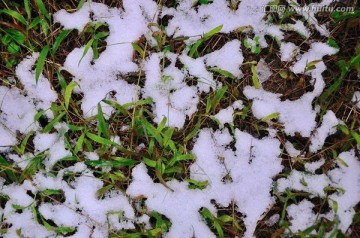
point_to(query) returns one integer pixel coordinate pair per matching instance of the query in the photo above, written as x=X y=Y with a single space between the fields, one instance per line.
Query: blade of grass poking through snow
x=103 y=127
x=344 y=70
x=271 y=116
x=255 y=77
x=356 y=136
x=58 y=41
x=86 y=49
x=208 y=35
x=33 y=166
x=68 y=91
x=100 y=139
x=42 y=8
x=79 y=144
x=14 y=15
x=81 y=3
x=40 y=62
x=21 y=150
x=116 y=162
x=218 y=96
x=178 y=158
x=6 y=167
x=138 y=49
x=224 y=73
x=95 y=43
x=194 y=131
x=49 y=126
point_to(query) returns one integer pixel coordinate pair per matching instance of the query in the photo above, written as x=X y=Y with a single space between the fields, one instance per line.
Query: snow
x=239 y=168
x=300 y=181
x=327 y=128
x=356 y=98
x=14 y=117
x=41 y=91
x=291 y=149
x=227 y=115
x=313 y=166
x=299 y=27
x=228 y=58
x=165 y=87
x=272 y=220
x=301 y=215
x=288 y=51
x=263 y=71
x=343 y=177
x=316 y=52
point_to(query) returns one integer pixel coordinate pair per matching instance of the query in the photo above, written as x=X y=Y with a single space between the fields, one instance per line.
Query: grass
x=27 y=27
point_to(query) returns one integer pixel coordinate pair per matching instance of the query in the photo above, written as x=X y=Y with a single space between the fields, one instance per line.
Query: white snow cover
x=313 y=166
x=356 y=98
x=311 y=183
x=288 y=51
x=327 y=128
x=228 y=58
x=249 y=188
x=242 y=173
x=226 y=115
x=172 y=97
x=346 y=177
x=316 y=52
x=41 y=91
x=301 y=215
x=263 y=71
x=16 y=114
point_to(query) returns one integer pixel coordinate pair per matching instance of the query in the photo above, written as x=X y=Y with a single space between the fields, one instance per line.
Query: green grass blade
x=42 y=8
x=326 y=94
x=40 y=62
x=58 y=41
x=139 y=50
x=194 y=131
x=222 y=72
x=255 y=77
x=6 y=167
x=33 y=166
x=178 y=158
x=16 y=35
x=14 y=15
x=68 y=91
x=86 y=49
x=49 y=126
x=103 y=127
x=212 y=32
x=193 y=51
x=270 y=116
x=111 y=163
x=218 y=96
x=27 y=8
x=21 y=149
x=100 y=139
x=79 y=144
x=80 y=5
x=356 y=137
